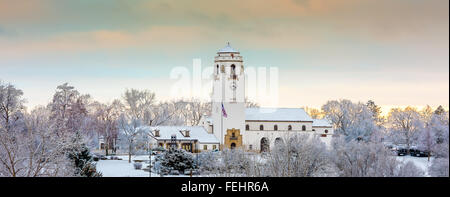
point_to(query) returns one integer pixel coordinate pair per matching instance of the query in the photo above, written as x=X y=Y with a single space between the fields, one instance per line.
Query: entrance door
x=233 y=146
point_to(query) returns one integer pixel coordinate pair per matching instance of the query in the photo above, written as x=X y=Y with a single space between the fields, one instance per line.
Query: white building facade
x=254 y=129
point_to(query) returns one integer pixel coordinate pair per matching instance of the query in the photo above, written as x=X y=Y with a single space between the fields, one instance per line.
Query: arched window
x=289 y=127
x=233 y=135
x=264 y=144
x=247 y=127
x=278 y=142
x=217 y=69
x=275 y=127
x=233 y=71
x=261 y=127
x=326 y=131
x=303 y=128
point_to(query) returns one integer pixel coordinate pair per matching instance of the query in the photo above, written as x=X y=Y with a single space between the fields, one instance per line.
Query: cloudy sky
x=393 y=52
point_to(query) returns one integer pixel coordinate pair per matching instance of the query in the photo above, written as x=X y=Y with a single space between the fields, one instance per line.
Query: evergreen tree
x=82 y=159
x=376 y=111
x=175 y=159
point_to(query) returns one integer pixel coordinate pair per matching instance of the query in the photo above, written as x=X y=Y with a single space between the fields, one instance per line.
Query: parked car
x=401 y=150
x=96 y=157
x=416 y=152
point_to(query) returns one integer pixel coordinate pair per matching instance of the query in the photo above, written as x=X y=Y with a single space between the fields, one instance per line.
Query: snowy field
x=121 y=168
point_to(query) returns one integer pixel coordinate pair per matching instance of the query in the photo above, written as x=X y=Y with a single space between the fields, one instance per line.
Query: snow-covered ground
x=420 y=162
x=121 y=168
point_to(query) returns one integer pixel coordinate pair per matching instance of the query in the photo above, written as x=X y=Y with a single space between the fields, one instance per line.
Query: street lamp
x=150 y=157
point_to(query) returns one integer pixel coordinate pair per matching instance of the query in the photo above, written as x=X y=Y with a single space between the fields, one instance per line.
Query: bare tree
x=405 y=124
x=106 y=116
x=353 y=120
x=130 y=129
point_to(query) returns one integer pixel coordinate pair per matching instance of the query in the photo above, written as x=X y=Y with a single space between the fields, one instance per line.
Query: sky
x=392 y=52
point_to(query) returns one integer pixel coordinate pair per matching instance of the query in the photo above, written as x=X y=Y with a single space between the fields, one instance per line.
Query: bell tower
x=228 y=97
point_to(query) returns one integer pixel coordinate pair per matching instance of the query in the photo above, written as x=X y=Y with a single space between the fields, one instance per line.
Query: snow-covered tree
x=106 y=117
x=81 y=158
x=439 y=167
x=36 y=151
x=405 y=125
x=353 y=120
x=368 y=159
x=376 y=112
x=139 y=104
x=69 y=110
x=11 y=107
x=130 y=131
x=313 y=112
x=192 y=110
x=439 y=127
x=426 y=141
x=297 y=156
x=175 y=159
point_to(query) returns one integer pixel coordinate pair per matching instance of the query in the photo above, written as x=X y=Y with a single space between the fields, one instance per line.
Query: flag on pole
x=224 y=113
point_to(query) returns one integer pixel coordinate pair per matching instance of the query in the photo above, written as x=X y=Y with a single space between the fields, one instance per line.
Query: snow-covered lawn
x=420 y=162
x=121 y=168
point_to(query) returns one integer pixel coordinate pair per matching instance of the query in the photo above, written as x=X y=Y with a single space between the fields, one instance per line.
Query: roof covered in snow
x=321 y=123
x=195 y=133
x=276 y=114
x=228 y=49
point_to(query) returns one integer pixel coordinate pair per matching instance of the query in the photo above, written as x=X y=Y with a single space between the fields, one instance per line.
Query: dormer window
x=157 y=133
x=184 y=132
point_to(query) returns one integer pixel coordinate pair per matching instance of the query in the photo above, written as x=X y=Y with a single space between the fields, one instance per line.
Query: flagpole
x=222 y=107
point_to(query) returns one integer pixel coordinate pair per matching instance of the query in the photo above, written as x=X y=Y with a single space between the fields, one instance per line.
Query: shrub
x=137 y=165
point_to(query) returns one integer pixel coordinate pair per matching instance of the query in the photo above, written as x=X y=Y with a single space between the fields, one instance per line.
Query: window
x=326 y=131
x=247 y=127
x=156 y=133
x=205 y=147
x=261 y=127
x=186 y=133
x=275 y=127
x=217 y=69
x=233 y=71
x=214 y=147
x=314 y=130
x=233 y=135
x=161 y=145
x=303 y=128
x=289 y=127
x=250 y=147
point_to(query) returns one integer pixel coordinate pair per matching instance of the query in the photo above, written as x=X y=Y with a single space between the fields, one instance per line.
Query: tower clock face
x=233 y=86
